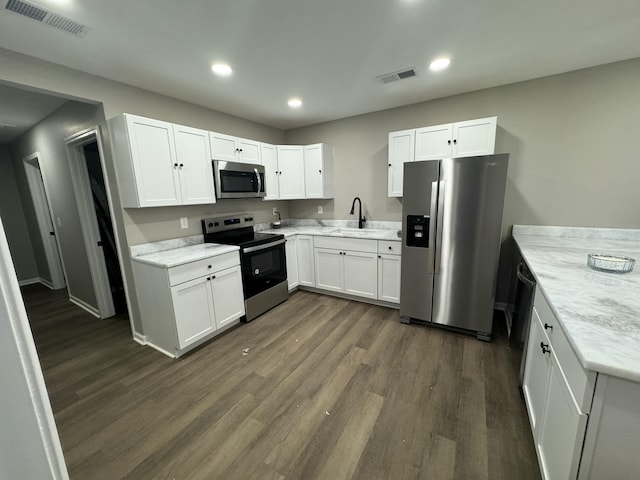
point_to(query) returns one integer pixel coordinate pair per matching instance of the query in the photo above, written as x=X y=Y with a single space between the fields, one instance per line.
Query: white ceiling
x=21 y=109
x=328 y=52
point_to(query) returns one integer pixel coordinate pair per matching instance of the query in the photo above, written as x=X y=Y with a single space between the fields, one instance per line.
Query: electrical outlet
x=320 y=209
x=184 y=222
x=59 y=220
x=275 y=210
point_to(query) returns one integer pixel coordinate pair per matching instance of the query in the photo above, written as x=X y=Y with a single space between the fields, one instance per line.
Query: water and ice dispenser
x=418 y=231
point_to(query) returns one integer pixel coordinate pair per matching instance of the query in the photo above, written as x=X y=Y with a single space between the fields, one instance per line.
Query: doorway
x=96 y=220
x=44 y=218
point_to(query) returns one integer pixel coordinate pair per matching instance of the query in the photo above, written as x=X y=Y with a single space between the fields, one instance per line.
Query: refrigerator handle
x=432 y=226
x=439 y=227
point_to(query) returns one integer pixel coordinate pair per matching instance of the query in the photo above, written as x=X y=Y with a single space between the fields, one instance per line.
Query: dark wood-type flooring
x=329 y=389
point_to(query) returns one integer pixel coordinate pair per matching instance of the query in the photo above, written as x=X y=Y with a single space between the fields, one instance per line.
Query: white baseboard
x=29 y=281
x=139 y=338
x=85 y=306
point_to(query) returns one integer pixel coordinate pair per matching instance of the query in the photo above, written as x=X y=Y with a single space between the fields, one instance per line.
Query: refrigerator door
x=469 y=226
x=420 y=190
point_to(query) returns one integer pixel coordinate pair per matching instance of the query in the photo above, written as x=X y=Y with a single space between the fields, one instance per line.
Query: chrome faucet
x=361 y=219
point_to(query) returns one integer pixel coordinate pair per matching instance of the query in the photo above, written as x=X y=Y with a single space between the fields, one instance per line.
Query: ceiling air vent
x=47 y=17
x=400 y=75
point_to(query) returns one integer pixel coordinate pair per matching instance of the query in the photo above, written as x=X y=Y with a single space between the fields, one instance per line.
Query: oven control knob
x=210 y=224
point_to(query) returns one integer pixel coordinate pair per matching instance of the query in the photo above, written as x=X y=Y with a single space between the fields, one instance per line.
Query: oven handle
x=263 y=247
x=259 y=181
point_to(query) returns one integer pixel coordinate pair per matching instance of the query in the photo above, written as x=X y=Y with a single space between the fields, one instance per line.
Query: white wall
x=13 y=216
x=572 y=139
x=29 y=443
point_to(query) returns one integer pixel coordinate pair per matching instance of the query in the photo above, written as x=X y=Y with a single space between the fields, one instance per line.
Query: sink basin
x=359 y=232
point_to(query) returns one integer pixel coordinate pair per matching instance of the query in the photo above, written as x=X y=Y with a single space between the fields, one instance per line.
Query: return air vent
x=47 y=17
x=400 y=75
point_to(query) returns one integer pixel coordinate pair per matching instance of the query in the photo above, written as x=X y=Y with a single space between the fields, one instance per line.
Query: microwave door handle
x=259 y=181
x=257 y=248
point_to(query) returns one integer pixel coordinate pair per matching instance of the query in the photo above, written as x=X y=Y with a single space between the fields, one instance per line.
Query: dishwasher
x=523 y=308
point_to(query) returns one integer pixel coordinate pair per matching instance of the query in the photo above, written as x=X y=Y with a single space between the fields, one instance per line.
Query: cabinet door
x=313 y=171
x=306 y=261
x=194 y=165
x=291 y=171
x=389 y=278
x=329 y=269
x=153 y=153
x=228 y=300
x=536 y=375
x=248 y=151
x=401 y=151
x=474 y=137
x=193 y=309
x=434 y=143
x=223 y=147
x=270 y=162
x=291 y=252
x=562 y=429
x=361 y=274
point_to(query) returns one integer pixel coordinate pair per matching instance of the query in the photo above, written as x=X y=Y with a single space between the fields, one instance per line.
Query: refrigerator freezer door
x=418 y=223
x=470 y=228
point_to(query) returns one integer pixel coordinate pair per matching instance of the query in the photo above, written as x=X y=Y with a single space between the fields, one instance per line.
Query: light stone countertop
x=599 y=311
x=344 y=232
x=181 y=255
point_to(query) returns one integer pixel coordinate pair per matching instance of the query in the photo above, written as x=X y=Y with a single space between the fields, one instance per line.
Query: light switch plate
x=275 y=210
x=184 y=222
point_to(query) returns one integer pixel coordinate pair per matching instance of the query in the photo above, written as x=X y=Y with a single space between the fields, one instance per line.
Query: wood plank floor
x=329 y=389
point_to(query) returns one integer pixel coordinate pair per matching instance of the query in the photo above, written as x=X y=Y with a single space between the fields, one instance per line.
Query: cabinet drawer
x=189 y=271
x=390 y=247
x=580 y=382
x=355 y=244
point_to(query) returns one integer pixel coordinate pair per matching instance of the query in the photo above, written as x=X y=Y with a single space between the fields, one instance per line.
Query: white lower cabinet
x=306 y=264
x=361 y=274
x=389 y=278
x=347 y=265
x=182 y=306
x=291 y=252
x=557 y=394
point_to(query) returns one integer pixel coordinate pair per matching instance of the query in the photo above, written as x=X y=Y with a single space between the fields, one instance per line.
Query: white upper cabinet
x=291 y=171
x=194 y=165
x=161 y=164
x=461 y=139
x=270 y=163
x=234 y=149
x=401 y=150
x=318 y=171
x=474 y=137
x=434 y=143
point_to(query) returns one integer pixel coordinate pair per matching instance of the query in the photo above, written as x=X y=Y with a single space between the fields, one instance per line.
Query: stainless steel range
x=262 y=259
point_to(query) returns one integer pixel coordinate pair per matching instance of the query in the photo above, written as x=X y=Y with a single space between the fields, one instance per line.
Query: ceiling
x=327 y=52
x=21 y=109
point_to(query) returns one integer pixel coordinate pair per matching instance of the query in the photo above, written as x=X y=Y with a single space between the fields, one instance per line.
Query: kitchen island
x=582 y=374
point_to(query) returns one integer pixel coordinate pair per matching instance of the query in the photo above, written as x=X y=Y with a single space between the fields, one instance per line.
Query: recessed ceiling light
x=221 y=69
x=439 y=64
x=295 y=102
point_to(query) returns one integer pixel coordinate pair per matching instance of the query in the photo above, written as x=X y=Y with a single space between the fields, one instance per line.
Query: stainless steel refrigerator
x=451 y=222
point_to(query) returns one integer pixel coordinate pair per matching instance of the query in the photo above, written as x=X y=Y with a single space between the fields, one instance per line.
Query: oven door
x=263 y=267
x=238 y=180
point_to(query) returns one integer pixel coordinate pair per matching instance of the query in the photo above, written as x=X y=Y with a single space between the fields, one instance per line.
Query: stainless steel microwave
x=238 y=180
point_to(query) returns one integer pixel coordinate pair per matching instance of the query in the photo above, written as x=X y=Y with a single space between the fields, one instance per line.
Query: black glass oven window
x=263 y=269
